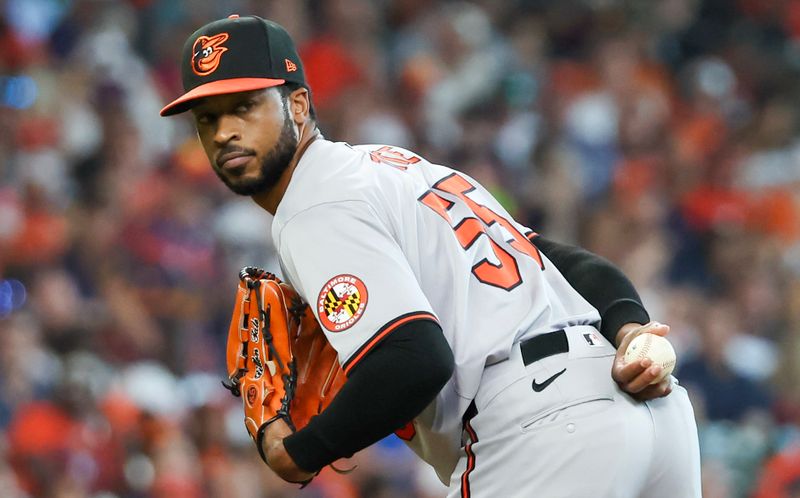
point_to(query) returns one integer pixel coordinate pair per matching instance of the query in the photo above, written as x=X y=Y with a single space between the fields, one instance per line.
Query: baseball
x=655 y=347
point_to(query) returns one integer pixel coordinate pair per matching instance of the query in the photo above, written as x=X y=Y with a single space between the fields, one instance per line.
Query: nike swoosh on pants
x=541 y=387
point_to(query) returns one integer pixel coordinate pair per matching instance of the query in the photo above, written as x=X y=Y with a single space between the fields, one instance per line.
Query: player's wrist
x=624 y=331
x=278 y=459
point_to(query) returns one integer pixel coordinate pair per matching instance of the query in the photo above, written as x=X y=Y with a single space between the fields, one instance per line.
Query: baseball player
x=494 y=353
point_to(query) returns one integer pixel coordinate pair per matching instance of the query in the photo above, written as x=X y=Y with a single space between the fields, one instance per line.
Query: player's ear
x=299 y=105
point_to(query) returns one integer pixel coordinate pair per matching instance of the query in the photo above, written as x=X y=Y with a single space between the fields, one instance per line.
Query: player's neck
x=269 y=200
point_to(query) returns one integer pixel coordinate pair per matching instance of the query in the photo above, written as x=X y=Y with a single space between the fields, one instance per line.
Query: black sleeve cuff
x=308 y=449
x=618 y=314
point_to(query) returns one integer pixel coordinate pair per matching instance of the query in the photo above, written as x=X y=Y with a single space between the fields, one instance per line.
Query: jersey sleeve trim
x=382 y=333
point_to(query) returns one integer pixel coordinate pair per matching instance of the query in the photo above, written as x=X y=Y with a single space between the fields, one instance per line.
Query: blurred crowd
x=663 y=135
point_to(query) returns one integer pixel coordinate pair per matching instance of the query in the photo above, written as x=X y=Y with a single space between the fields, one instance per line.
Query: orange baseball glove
x=278 y=357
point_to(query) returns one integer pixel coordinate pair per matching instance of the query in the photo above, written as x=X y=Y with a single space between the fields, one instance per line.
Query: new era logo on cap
x=236 y=54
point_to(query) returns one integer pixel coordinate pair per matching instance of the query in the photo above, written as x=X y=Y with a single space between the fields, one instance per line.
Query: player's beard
x=272 y=166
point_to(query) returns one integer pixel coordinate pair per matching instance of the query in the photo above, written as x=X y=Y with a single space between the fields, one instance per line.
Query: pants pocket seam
x=526 y=426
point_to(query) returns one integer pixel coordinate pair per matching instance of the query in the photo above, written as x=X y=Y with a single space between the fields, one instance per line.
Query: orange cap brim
x=219 y=87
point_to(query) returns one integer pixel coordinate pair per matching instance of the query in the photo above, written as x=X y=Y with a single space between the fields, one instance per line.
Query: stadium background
x=663 y=135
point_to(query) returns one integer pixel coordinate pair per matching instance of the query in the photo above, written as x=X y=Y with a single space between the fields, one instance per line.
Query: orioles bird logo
x=206 y=53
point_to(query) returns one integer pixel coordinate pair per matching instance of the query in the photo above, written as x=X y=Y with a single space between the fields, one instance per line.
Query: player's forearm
x=601 y=283
x=391 y=385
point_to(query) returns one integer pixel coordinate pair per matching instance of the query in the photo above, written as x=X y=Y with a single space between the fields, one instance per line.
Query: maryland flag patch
x=341 y=302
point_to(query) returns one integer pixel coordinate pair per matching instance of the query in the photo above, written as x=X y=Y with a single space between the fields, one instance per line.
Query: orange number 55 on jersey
x=505 y=274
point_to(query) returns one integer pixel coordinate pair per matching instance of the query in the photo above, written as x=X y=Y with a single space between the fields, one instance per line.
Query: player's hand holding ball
x=644 y=360
x=654 y=347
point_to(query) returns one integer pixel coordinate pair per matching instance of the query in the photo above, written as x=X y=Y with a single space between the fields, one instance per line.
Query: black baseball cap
x=236 y=54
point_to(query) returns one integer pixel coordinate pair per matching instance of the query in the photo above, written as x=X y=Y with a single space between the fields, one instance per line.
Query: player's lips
x=233 y=160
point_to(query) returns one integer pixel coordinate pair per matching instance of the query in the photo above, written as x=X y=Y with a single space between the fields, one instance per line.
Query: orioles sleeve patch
x=341 y=302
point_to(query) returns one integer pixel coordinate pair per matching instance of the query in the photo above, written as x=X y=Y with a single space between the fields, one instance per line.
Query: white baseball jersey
x=374 y=236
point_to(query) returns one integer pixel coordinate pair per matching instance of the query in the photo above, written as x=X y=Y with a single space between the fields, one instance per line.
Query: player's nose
x=227 y=130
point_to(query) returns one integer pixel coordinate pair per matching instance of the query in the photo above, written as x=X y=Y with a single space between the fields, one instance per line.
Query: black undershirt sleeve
x=601 y=283
x=390 y=386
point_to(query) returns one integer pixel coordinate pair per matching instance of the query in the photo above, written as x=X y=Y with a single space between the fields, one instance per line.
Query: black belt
x=533 y=349
x=543 y=345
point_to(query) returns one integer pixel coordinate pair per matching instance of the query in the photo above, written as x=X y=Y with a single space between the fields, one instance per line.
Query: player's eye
x=204 y=118
x=244 y=107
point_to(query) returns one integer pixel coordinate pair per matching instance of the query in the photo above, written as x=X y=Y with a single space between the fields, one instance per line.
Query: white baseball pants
x=579 y=436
